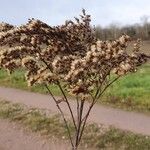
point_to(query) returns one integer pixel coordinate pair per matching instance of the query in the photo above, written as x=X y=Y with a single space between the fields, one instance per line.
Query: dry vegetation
x=71 y=58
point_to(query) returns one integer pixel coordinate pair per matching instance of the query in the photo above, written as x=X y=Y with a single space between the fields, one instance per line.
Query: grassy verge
x=132 y=92
x=17 y=80
x=95 y=137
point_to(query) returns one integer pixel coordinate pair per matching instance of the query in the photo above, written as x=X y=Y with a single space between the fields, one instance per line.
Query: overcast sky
x=55 y=12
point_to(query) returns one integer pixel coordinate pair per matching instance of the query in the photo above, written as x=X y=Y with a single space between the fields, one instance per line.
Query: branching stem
x=62 y=114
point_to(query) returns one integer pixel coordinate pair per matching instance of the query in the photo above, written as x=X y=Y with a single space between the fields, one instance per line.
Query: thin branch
x=79 y=122
x=96 y=98
x=93 y=100
x=77 y=100
x=100 y=86
x=108 y=86
x=71 y=112
x=84 y=120
x=62 y=114
x=92 y=104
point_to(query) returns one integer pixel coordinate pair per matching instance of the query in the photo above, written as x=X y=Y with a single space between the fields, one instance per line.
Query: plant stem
x=79 y=122
x=73 y=118
x=97 y=96
x=62 y=114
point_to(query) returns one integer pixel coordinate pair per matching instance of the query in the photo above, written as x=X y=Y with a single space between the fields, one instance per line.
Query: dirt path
x=132 y=121
x=14 y=137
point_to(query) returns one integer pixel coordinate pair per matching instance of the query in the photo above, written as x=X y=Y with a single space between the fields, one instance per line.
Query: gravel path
x=14 y=137
x=131 y=121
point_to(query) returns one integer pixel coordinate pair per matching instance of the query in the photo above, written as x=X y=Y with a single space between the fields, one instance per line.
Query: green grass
x=17 y=80
x=131 y=92
x=95 y=136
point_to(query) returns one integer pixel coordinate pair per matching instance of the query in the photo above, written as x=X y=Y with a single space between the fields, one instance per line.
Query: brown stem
x=73 y=118
x=79 y=122
x=107 y=86
x=92 y=104
x=84 y=120
x=62 y=114
x=78 y=105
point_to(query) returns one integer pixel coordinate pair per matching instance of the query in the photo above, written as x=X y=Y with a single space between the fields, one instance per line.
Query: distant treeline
x=113 y=31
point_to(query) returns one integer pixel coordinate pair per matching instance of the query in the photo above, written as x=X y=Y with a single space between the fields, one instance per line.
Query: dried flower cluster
x=69 y=55
x=5 y=27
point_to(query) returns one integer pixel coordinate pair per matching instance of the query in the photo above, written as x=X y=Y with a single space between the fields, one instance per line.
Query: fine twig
x=66 y=100
x=92 y=104
x=79 y=122
x=62 y=114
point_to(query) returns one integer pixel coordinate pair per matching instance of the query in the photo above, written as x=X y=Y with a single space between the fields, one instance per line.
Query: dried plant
x=70 y=57
x=5 y=27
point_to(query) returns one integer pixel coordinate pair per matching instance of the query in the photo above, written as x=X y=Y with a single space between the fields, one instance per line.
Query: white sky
x=55 y=12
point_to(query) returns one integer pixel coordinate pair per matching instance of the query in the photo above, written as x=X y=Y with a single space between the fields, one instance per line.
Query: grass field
x=97 y=137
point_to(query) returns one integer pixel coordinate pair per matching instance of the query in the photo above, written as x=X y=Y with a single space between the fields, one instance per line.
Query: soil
x=15 y=137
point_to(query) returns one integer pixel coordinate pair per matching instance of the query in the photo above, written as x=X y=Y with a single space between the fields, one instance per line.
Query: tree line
x=113 y=31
